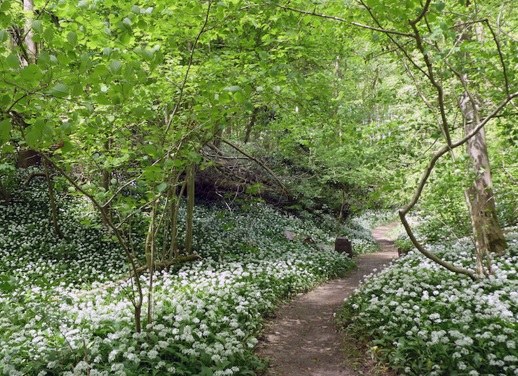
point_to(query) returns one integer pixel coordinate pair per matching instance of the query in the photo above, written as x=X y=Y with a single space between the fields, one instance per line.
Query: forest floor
x=303 y=338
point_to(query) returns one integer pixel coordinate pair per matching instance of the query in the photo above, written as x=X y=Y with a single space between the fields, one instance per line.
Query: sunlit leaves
x=115 y=66
x=59 y=90
x=39 y=135
x=72 y=38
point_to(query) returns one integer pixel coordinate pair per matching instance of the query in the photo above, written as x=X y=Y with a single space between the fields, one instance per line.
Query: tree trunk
x=488 y=234
x=250 y=125
x=52 y=201
x=31 y=50
x=175 y=207
x=106 y=176
x=191 y=172
x=150 y=261
x=489 y=238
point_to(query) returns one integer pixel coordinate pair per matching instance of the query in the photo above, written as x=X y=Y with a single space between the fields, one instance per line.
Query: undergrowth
x=424 y=320
x=64 y=307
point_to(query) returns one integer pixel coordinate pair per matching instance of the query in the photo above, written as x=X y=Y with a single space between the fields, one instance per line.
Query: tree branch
x=107 y=220
x=416 y=20
x=339 y=19
x=433 y=81
x=424 y=178
x=393 y=40
x=259 y=163
x=501 y=56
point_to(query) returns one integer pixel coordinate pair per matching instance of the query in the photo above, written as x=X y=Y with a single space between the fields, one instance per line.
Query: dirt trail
x=303 y=339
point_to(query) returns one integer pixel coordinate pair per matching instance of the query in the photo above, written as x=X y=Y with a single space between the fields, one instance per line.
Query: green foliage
x=124 y=96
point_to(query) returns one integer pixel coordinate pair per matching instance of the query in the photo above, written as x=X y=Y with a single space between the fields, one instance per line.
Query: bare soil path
x=303 y=339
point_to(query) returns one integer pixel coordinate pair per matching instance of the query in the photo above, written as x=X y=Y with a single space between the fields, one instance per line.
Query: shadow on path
x=303 y=339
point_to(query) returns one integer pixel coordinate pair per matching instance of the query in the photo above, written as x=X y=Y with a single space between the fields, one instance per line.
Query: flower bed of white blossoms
x=424 y=320
x=64 y=308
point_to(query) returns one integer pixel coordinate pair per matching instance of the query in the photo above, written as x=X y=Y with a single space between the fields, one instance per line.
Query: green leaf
x=4 y=35
x=31 y=73
x=59 y=90
x=77 y=89
x=72 y=38
x=5 y=131
x=7 y=149
x=7 y=284
x=232 y=89
x=115 y=66
x=37 y=25
x=161 y=187
x=152 y=173
x=440 y=6
x=34 y=136
x=12 y=61
x=239 y=97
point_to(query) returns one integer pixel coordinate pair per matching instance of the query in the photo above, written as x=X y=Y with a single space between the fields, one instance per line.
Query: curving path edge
x=303 y=339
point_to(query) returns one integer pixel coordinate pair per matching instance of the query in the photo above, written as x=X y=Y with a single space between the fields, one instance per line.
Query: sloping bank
x=424 y=320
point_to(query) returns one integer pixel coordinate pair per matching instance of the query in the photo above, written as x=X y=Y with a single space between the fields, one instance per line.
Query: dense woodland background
x=140 y=139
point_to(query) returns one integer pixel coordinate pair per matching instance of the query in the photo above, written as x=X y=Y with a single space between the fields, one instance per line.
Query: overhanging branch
x=424 y=178
x=339 y=19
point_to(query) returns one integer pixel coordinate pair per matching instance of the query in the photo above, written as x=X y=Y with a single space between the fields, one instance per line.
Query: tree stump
x=344 y=245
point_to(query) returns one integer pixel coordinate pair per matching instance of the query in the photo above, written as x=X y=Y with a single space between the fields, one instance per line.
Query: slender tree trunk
x=191 y=172
x=488 y=234
x=150 y=260
x=251 y=124
x=31 y=51
x=106 y=174
x=106 y=179
x=52 y=201
x=175 y=207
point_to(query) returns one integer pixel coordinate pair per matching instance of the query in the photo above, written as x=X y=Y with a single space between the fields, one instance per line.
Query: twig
x=501 y=56
x=339 y=19
x=393 y=40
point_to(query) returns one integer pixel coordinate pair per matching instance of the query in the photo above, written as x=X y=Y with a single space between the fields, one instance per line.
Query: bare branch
x=431 y=76
x=107 y=220
x=339 y=19
x=433 y=256
x=501 y=56
x=424 y=178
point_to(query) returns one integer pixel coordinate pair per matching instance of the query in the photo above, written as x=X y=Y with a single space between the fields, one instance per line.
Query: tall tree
x=487 y=232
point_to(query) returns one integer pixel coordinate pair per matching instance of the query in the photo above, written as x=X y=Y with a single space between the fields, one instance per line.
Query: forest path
x=303 y=339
